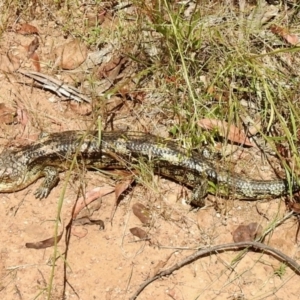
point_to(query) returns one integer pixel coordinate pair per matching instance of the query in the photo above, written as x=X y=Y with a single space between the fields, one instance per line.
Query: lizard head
x=10 y=173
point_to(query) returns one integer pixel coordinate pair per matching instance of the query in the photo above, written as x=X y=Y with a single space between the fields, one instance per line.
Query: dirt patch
x=112 y=263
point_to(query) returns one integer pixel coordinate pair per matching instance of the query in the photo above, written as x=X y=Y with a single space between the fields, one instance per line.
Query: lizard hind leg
x=199 y=192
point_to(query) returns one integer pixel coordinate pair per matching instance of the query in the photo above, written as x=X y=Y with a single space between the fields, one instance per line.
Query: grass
x=199 y=66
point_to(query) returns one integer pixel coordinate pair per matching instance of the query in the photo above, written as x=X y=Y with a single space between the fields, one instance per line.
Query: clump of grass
x=220 y=46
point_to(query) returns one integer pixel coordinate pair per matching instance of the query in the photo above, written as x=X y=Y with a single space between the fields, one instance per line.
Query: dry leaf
x=36 y=62
x=123 y=186
x=292 y=39
x=90 y=197
x=284 y=33
x=33 y=46
x=246 y=233
x=45 y=243
x=230 y=132
x=26 y=29
x=242 y=234
x=142 y=213
x=71 y=55
x=139 y=232
x=111 y=69
x=119 y=189
x=88 y=211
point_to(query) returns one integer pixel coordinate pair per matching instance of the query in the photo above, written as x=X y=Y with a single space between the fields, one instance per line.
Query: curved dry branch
x=221 y=248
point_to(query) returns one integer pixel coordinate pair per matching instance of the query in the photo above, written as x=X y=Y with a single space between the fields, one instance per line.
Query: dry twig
x=221 y=248
x=57 y=86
